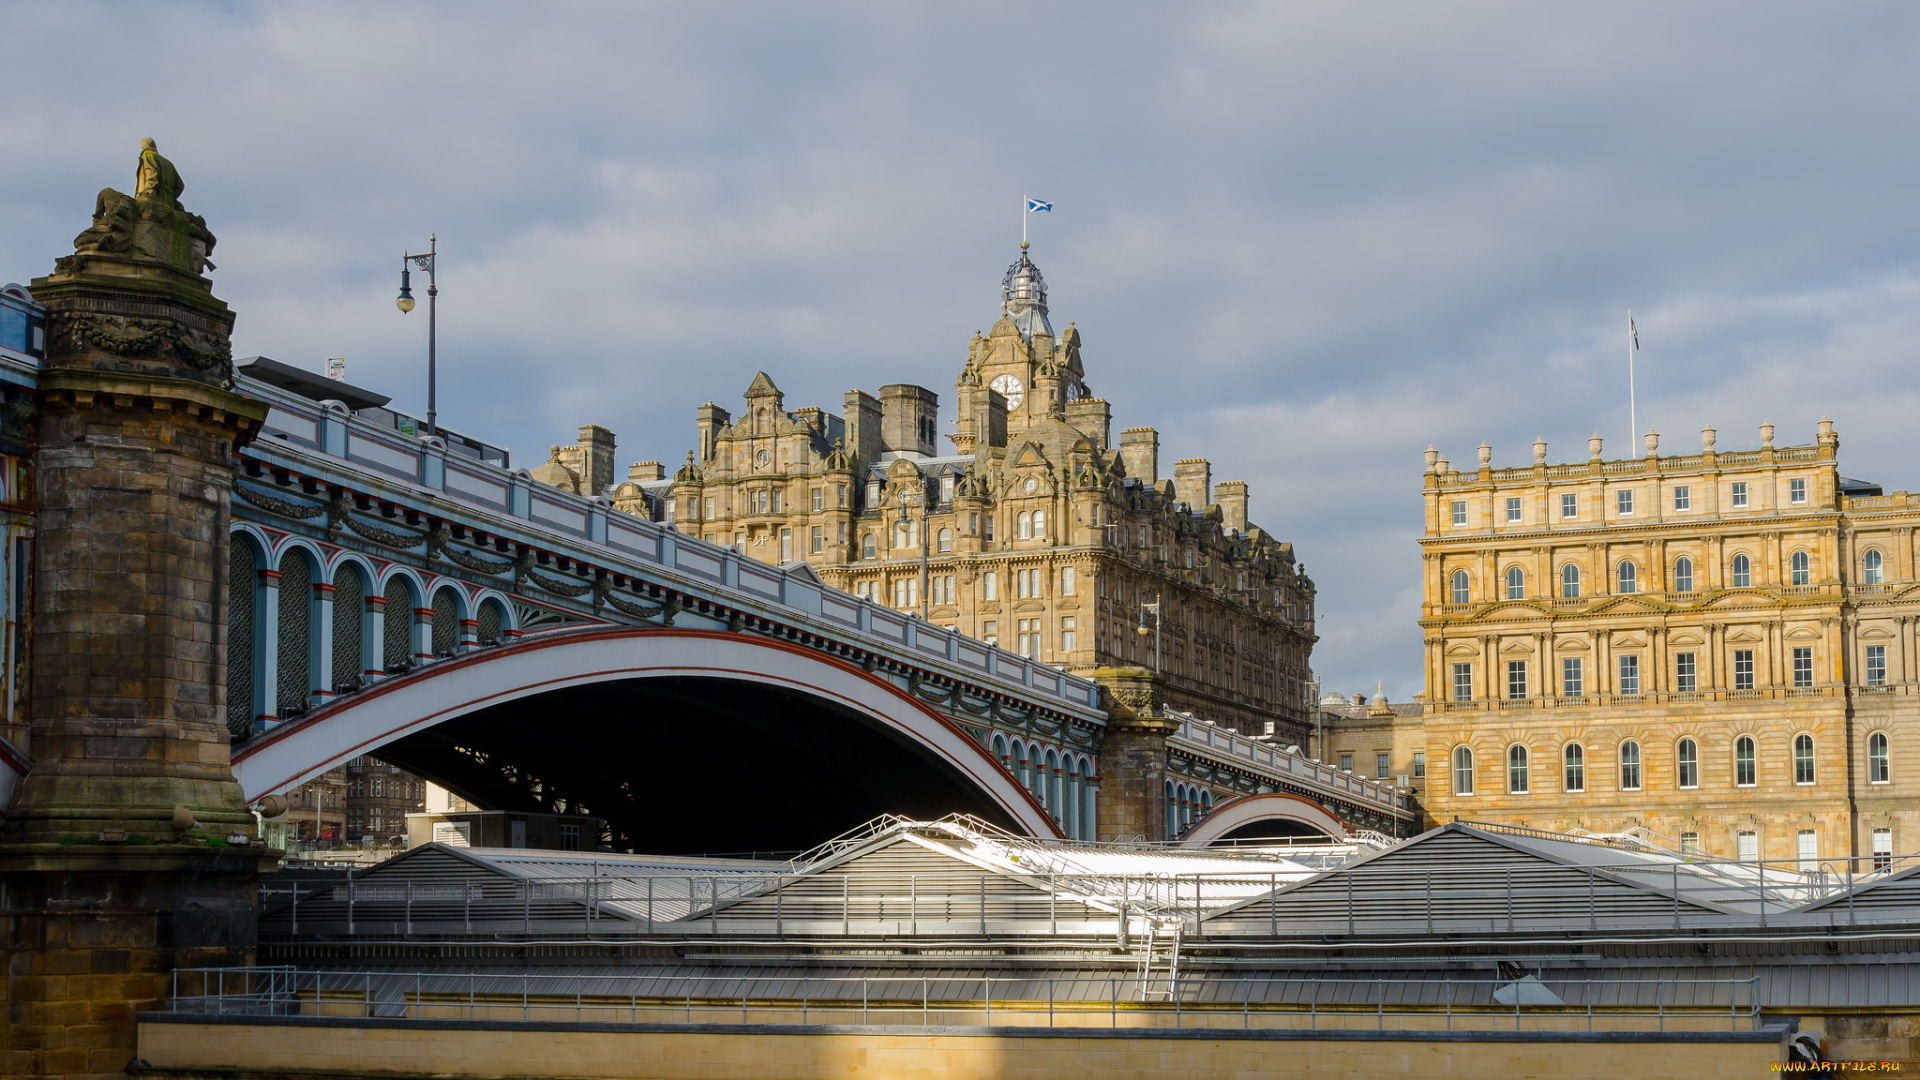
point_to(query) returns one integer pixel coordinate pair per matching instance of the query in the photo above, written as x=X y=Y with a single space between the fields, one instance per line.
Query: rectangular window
x=819 y=499
x=1684 y=680
x=817 y=539
x=840 y=494
x=786 y=545
x=990 y=585
x=1569 y=506
x=1682 y=498
x=1419 y=764
x=1749 y=846
x=843 y=534
x=1630 y=675
x=1797 y=491
x=986 y=525
x=1882 y=849
x=708 y=515
x=990 y=632
x=569 y=836
x=1743 y=669
x=1690 y=843
x=1740 y=493
x=1459 y=513
x=946 y=488
x=1623 y=501
x=1516 y=680
x=1380 y=766
x=1876 y=665
x=1513 y=509
x=1807 y=845
x=873 y=494
x=1066 y=581
x=1463 y=682
x=1571 y=683
x=1802 y=665
x=1027 y=638
x=1067 y=634
x=1346 y=762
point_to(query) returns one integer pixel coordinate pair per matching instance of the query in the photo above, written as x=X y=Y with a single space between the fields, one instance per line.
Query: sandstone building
x=1034 y=529
x=1716 y=646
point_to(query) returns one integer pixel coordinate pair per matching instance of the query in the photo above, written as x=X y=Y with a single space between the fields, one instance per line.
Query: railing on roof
x=328 y=439
x=1542 y=999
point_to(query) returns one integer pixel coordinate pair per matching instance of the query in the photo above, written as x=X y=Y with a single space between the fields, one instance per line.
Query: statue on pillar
x=157 y=178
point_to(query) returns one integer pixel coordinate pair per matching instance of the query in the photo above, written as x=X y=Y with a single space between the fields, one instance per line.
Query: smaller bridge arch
x=1275 y=813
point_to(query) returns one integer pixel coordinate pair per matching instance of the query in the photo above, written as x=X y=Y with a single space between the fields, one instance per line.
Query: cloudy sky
x=1302 y=240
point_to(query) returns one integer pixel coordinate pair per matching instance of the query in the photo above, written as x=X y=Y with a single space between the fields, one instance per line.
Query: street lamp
x=1143 y=631
x=405 y=304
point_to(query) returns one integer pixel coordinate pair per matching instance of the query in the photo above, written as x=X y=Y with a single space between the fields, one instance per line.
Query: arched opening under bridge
x=1275 y=815
x=684 y=741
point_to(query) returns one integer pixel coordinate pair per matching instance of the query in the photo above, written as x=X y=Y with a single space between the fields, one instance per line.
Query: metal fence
x=1523 y=1003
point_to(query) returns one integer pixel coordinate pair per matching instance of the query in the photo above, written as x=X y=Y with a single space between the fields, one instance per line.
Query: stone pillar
x=128 y=849
x=1133 y=755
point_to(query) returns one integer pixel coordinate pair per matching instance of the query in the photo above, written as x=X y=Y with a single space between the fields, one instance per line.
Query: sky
x=1305 y=241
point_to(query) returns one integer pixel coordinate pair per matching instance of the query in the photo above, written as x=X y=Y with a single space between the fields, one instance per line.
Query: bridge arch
x=445 y=692
x=1275 y=813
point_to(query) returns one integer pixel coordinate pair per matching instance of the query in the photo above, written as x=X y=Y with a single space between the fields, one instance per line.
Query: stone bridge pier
x=128 y=849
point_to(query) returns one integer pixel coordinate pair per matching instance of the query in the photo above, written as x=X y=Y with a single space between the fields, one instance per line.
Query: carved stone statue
x=157 y=178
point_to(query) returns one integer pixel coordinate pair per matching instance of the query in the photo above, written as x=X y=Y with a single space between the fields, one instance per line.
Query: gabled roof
x=1462 y=880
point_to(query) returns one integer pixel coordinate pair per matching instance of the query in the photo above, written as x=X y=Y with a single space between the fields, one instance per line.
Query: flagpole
x=1633 y=417
x=1024 y=214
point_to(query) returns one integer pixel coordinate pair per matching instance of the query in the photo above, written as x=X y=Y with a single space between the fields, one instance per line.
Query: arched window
x=295 y=653
x=1687 y=757
x=1570 y=581
x=397 y=651
x=349 y=616
x=243 y=589
x=1516 y=583
x=1745 y=770
x=1803 y=759
x=1462 y=587
x=1040 y=524
x=1874 y=574
x=493 y=622
x=1802 y=571
x=1683 y=574
x=1462 y=771
x=1629 y=766
x=1023 y=526
x=1517 y=770
x=999 y=748
x=1576 y=767
x=1629 y=578
x=1742 y=572
x=867 y=549
x=1879 y=767
x=946 y=541
x=446 y=623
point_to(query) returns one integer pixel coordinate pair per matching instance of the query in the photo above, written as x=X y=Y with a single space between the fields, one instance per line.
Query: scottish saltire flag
x=1035 y=205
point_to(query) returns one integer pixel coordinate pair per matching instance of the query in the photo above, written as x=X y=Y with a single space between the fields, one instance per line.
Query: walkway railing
x=1540 y=1002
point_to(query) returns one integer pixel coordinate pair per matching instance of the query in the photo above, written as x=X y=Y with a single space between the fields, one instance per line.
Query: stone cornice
x=235 y=415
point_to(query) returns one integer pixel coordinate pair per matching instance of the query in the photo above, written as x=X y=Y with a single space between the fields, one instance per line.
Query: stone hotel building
x=1034 y=529
x=1715 y=646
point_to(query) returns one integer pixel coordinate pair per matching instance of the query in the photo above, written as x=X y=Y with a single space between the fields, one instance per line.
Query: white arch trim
x=1273 y=805
x=361 y=723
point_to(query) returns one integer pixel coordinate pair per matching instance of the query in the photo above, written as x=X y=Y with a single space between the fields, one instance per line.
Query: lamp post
x=905 y=496
x=1142 y=630
x=405 y=304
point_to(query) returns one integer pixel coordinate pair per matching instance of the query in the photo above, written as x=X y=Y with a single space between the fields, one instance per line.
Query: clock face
x=1032 y=485
x=763 y=457
x=1010 y=387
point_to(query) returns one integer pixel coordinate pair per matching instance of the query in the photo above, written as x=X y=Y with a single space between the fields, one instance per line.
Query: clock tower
x=1034 y=370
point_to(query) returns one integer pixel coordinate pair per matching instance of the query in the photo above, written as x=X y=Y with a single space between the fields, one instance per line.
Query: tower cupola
x=1024 y=297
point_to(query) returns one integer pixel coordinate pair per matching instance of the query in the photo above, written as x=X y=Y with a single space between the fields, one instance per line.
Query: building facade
x=379 y=797
x=1035 y=529
x=1715 y=646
